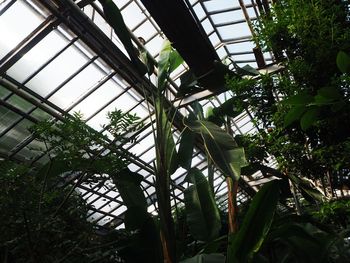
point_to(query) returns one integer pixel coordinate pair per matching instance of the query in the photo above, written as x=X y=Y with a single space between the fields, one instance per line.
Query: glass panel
x=3 y=92
x=240 y=47
x=7 y=118
x=40 y=115
x=98 y=98
x=146 y=30
x=155 y=45
x=57 y=71
x=199 y=11
x=232 y=31
x=32 y=150
x=220 y=4
x=15 y=136
x=125 y=102
x=12 y=29
x=37 y=56
x=227 y=16
x=20 y=103
x=206 y=24
x=132 y=15
x=78 y=86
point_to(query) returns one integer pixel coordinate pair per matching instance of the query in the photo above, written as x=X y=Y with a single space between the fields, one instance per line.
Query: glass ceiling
x=53 y=63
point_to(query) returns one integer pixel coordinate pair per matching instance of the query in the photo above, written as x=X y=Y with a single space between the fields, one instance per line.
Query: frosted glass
x=37 y=56
x=77 y=87
x=12 y=29
x=57 y=71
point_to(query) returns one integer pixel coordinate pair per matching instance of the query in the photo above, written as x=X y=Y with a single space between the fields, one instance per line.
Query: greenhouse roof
x=59 y=57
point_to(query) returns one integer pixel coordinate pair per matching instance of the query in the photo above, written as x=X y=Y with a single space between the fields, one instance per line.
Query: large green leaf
x=236 y=159
x=304 y=240
x=330 y=93
x=221 y=147
x=246 y=70
x=206 y=258
x=309 y=192
x=343 y=62
x=228 y=108
x=309 y=118
x=215 y=133
x=186 y=148
x=116 y=21
x=165 y=139
x=189 y=84
x=294 y=114
x=169 y=60
x=145 y=240
x=148 y=60
x=299 y=99
x=256 y=224
x=128 y=185
x=202 y=213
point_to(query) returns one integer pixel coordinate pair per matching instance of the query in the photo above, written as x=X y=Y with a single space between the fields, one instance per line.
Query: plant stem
x=232 y=204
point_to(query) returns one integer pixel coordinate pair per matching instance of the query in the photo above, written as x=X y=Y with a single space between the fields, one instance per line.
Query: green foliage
x=129 y=182
x=221 y=147
x=256 y=224
x=343 y=62
x=336 y=212
x=47 y=221
x=75 y=142
x=169 y=60
x=186 y=148
x=33 y=231
x=300 y=239
x=120 y=123
x=255 y=94
x=202 y=214
x=303 y=113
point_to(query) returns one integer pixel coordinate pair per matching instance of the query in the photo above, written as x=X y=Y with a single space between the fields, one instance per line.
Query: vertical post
x=296 y=199
x=256 y=50
x=232 y=204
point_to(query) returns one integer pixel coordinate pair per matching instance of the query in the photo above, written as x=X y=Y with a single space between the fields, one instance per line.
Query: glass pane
x=12 y=29
x=98 y=98
x=37 y=56
x=20 y=103
x=57 y=71
x=32 y=150
x=15 y=135
x=79 y=85
x=3 y=92
x=7 y=118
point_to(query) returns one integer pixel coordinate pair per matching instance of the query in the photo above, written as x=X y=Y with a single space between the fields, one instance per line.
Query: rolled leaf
x=116 y=21
x=165 y=139
x=186 y=149
x=202 y=213
x=128 y=185
x=169 y=60
x=256 y=224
